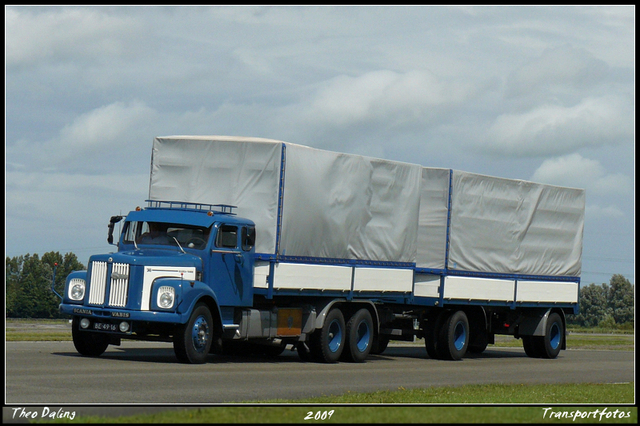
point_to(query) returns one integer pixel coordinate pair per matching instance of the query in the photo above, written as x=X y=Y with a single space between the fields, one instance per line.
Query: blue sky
x=542 y=93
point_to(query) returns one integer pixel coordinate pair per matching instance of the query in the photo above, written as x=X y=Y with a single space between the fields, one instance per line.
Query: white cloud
x=579 y=172
x=64 y=34
x=106 y=130
x=106 y=125
x=556 y=69
x=384 y=96
x=556 y=129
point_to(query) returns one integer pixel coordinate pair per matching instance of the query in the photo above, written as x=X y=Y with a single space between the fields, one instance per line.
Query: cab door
x=232 y=260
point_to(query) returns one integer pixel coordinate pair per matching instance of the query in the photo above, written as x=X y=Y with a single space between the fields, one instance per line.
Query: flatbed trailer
x=268 y=244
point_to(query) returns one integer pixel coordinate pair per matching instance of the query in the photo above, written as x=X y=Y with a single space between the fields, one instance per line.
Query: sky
x=541 y=93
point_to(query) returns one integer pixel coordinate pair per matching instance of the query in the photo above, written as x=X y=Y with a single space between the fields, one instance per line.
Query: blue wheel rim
x=363 y=336
x=555 y=336
x=459 y=336
x=335 y=336
x=200 y=334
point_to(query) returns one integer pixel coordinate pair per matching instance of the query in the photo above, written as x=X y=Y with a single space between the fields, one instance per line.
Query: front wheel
x=192 y=341
x=88 y=343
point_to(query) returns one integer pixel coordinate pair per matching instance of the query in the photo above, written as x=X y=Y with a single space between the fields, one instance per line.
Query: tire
x=380 y=344
x=359 y=333
x=453 y=340
x=192 y=341
x=330 y=339
x=88 y=343
x=530 y=346
x=479 y=343
x=271 y=351
x=431 y=327
x=549 y=345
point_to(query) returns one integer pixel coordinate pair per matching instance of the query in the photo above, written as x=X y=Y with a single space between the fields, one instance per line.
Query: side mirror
x=112 y=222
x=248 y=238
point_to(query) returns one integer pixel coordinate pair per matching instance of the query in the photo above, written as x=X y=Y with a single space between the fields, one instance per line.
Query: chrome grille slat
x=98 y=283
x=118 y=284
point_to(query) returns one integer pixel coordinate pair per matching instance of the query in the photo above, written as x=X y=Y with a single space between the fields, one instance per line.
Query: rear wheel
x=192 y=341
x=359 y=336
x=549 y=345
x=431 y=327
x=453 y=339
x=328 y=342
x=88 y=343
x=380 y=344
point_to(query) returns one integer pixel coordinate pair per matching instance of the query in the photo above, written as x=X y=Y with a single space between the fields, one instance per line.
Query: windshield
x=160 y=233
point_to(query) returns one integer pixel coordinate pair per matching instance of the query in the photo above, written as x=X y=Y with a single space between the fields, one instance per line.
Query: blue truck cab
x=179 y=272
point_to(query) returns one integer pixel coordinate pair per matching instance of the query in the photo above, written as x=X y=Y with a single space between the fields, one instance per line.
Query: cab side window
x=227 y=237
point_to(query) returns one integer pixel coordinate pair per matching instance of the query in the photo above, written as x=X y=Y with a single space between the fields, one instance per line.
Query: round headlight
x=166 y=297
x=76 y=289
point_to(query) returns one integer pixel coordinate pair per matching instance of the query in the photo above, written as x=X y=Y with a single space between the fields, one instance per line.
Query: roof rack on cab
x=181 y=205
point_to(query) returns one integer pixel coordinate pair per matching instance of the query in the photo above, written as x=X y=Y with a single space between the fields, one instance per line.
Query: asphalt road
x=49 y=373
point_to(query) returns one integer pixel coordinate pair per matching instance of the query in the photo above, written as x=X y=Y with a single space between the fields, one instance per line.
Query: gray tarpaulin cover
x=343 y=206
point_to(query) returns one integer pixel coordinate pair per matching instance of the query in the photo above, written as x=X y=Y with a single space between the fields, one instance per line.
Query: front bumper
x=105 y=317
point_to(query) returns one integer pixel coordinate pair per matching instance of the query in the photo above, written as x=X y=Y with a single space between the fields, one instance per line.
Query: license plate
x=104 y=326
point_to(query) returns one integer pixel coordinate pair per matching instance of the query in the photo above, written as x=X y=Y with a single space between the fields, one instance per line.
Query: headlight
x=76 y=289
x=166 y=297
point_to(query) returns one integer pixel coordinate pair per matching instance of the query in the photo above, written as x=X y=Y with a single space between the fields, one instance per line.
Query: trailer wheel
x=88 y=343
x=479 y=342
x=549 y=345
x=359 y=336
x=380 y=344
x=330 y=338
x=530 y=346
x=552 y=341
x=192 y=341
x=453 y=339
x=431 y=327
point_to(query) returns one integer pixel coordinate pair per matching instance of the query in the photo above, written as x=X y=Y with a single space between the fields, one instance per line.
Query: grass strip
x=504 y=404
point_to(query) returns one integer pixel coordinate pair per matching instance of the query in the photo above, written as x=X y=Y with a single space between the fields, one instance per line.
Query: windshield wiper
x=176 y=240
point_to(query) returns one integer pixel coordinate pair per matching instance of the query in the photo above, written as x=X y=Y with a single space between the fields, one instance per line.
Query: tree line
x=29 y=295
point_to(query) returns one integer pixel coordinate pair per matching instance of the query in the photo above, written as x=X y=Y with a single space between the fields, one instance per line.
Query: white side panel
x=426 y=285
x=312 y=277
x=545 y=291
x=260 y=274
x=153 y=272
x=468 y=288
x=380 y=279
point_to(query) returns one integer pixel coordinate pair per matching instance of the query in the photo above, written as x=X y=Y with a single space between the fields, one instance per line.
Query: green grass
x=490 y=394
x=37 y=330
x=471 y=404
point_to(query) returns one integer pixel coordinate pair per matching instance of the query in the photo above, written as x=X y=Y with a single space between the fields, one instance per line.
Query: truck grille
x=117 y=284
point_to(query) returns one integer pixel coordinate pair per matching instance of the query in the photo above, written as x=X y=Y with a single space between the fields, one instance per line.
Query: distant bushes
x=607 y=306
x=28 y=284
